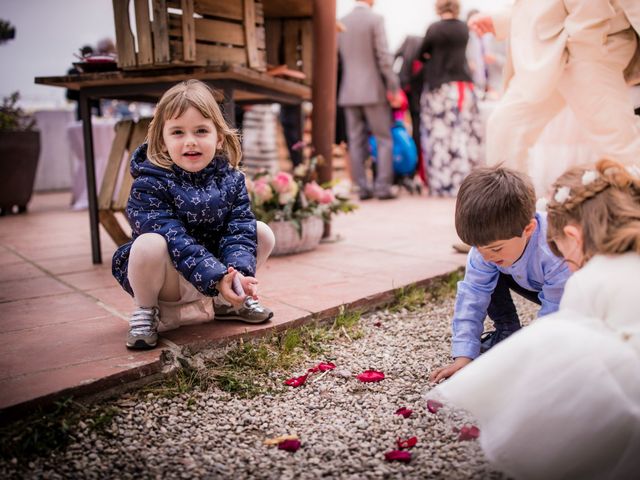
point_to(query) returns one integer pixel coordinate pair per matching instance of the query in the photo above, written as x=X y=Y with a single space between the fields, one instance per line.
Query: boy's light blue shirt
x=538 y=270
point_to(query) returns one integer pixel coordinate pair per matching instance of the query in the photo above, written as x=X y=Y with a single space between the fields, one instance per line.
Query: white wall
x=48 y=33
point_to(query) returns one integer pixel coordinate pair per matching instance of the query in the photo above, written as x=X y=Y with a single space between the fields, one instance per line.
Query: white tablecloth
x=103 y=135
x=55 y=165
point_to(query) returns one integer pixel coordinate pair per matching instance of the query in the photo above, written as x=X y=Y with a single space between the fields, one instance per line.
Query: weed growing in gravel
x=445 y=287
x=245 y=369
x=183 y=380
x=347 y=323
x=347 y=319
x=410 y=298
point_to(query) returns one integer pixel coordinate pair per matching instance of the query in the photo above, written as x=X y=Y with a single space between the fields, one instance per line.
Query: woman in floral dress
x=451 y=124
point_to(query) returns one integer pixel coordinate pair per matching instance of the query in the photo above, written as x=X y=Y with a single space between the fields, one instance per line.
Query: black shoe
x=490 y=339
x=366 y=196
x=387 y=196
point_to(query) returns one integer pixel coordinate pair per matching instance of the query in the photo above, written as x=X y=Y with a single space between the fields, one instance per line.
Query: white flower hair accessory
x=562 y=195
x=589 y=177
x=541 y=205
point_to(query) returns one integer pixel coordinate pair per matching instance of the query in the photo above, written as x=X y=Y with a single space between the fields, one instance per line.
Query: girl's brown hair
x=176 y=101
x=607 y=208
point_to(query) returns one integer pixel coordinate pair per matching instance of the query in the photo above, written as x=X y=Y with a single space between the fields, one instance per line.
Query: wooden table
x=232 y=84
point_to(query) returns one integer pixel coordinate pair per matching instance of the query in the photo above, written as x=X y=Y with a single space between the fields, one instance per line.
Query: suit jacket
x=409 y=51
x=580 y=26
x=367 y=72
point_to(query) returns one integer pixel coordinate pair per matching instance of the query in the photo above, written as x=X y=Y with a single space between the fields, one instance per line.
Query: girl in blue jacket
x=193 y=228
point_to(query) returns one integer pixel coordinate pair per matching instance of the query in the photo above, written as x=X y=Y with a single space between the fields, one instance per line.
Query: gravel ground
x=345 y=426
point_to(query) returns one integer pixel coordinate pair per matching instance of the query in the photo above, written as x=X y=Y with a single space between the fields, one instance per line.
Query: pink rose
x=283 y=182
x=262 y=191
x=327 y=197
x=289 y=195
x=314 y=192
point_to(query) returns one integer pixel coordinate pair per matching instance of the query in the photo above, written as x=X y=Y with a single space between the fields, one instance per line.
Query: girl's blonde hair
x=604 y=201
x=176 y=101
x=448 y=6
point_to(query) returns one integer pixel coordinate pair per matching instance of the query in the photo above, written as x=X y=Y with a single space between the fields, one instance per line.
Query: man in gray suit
x=368 y=81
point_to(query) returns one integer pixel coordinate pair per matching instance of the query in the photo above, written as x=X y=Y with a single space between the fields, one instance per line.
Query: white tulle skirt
x=559 y=399
x=561 y=145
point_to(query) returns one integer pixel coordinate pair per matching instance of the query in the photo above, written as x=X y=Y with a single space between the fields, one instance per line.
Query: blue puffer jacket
x=205 y=217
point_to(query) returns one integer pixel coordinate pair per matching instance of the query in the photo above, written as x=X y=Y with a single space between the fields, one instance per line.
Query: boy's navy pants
x=501 y=308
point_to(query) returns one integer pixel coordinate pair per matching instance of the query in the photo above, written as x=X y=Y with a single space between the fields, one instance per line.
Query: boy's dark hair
x=494 y=203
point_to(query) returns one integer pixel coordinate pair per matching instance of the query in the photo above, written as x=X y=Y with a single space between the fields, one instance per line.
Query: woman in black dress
x=450 y=121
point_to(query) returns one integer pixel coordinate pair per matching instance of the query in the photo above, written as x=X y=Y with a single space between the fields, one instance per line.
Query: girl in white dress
x=561 y=398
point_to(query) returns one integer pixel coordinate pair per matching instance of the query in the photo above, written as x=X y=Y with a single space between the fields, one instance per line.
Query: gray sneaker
x=250 y=312
x=143 y=328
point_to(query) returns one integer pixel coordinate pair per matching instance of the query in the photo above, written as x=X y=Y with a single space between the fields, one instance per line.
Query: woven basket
x=288 y=240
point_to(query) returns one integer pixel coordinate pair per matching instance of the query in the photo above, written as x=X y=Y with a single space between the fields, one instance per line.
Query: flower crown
x=562 y=194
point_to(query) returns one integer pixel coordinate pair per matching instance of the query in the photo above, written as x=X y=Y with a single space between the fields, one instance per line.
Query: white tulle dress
x=561 y=145
x=560 y=399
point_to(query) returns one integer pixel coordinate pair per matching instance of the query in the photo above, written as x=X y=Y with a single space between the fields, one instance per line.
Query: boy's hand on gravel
x=445 y=372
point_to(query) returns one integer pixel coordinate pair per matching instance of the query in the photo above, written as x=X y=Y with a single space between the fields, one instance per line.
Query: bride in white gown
x=561 y=398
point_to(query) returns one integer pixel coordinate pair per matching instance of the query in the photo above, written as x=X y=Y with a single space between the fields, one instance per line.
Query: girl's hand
x=249 y=285
x=225 y=287
x=445 y=372
x=481 y=23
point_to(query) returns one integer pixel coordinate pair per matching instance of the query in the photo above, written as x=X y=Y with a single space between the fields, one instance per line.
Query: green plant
x=446 y=286
x=13 y=118
x=7 y=31
x=410 y=298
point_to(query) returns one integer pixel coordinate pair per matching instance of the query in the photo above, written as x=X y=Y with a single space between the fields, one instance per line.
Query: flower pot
x=289 y=241
x=19 y=153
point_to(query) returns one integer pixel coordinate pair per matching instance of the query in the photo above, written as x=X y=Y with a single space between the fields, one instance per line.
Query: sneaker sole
x=140 y=345
x=241 y=319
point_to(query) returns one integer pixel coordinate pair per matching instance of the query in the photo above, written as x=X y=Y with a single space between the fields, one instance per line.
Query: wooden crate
x=117 y=179
x=190 y=33
x=289 y=41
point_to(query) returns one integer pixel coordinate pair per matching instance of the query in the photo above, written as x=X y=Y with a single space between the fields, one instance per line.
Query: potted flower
x=19 y=153
x=295 y=206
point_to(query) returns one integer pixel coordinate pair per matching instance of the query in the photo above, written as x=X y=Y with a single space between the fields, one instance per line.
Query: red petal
x=370 y=376
x=469 y=433
x=404 y=411
x=433 y=406
x=408 y=443
x=377 y=324
x=324 y=366
x=313 y=370
x=289 y=445
x=398 y=455
x=296 y=381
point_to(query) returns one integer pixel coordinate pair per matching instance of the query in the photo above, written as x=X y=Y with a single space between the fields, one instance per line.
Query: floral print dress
x=451 y=135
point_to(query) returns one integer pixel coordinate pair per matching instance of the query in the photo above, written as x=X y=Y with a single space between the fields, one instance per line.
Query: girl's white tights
x=153 y=277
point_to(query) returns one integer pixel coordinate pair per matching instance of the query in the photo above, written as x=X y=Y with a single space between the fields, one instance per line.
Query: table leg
x=85 y=115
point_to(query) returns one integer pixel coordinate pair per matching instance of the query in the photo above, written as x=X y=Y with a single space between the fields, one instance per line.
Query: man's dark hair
x=494 y=203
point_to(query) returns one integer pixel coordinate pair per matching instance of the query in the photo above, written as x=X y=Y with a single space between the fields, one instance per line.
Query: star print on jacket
x=204 y=236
